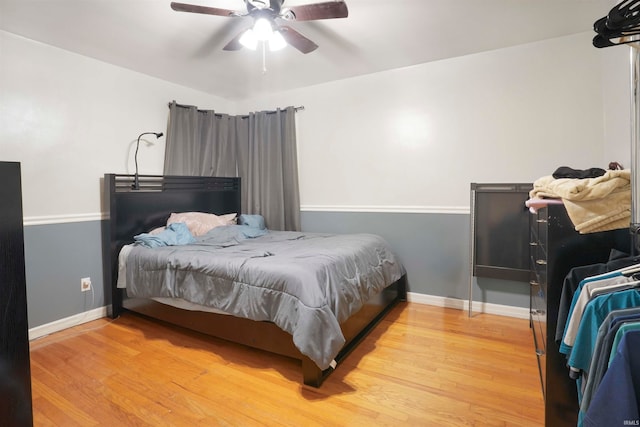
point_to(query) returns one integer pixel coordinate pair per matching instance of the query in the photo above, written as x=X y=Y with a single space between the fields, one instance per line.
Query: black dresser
x=556 y=248
x=15 y=371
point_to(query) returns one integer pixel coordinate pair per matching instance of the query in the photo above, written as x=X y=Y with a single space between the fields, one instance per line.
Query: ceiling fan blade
x=234 y=43
x=183 y=7
x=297 y=40
x=326 y=10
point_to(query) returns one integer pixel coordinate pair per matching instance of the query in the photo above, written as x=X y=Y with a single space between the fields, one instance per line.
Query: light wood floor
x=422 y=366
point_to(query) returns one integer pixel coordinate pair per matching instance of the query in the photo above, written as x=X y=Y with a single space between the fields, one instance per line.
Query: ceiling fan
x=267 y=16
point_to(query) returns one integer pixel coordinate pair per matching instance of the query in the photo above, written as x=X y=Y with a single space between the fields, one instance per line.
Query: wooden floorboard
x=421 y=366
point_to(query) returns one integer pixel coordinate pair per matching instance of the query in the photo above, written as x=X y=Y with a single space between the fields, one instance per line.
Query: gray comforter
x=305 y=283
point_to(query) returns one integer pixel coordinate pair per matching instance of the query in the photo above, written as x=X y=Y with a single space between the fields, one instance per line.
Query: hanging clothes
x=617 y=400
x=617 y=260
x=594 y=314
x=604 y=310
x=607 y=283
x=602 y=351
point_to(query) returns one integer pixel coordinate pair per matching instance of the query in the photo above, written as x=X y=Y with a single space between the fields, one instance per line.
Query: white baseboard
x=67 y=322
x=482 y=307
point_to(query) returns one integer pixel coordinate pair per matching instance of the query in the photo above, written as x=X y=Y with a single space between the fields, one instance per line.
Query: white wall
x=418 y=136
x=69 y=119
x=616 y=95
x=408 y=137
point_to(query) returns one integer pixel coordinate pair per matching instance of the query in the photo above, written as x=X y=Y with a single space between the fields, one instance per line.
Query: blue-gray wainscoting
x=57 y=256
x=434 y=248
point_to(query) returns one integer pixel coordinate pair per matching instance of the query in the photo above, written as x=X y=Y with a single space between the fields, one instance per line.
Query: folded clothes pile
x=593 y=204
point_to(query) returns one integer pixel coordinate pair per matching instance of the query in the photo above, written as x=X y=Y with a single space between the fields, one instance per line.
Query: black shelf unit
x=15 y=369
x=555 y=248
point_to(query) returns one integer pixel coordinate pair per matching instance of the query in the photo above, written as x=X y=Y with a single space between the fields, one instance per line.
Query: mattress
x=306 y=283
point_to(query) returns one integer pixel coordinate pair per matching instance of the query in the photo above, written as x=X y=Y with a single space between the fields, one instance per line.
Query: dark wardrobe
x=15 y=370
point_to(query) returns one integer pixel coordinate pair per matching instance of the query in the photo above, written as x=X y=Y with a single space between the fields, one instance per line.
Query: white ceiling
x=184 y=48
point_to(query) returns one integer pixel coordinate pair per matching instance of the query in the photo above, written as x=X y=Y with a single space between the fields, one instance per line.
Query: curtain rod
x=296 y=109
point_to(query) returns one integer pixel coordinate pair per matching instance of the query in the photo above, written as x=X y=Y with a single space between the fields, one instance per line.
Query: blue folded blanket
x=175 y=233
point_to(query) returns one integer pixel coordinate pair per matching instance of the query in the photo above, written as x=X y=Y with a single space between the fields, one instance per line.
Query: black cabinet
x=500 y=231
x=555 y=248
x=15 y=371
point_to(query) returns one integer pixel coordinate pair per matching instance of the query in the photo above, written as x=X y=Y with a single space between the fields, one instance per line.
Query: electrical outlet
x=85 y=284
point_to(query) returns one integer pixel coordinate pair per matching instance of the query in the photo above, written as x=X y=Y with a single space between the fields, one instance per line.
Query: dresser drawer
x=538 y=316
x=542 y=232
x=538 y=240
x=542 y=367
x=538 y=247
x=539 y=269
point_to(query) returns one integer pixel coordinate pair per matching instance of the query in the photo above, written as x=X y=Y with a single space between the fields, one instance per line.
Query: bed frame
x=134 y=211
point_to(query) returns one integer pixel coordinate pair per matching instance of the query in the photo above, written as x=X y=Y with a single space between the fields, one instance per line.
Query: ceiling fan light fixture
x=287 y=14
x=249 y=39
x=262 y=29
x=259 y=4
x=267 y=28
x=276 y=42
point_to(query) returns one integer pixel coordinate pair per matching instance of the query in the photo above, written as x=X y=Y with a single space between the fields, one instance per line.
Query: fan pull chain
x=264 y=57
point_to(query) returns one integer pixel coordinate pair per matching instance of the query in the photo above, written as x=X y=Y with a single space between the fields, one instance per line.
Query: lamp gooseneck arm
x=136 y=182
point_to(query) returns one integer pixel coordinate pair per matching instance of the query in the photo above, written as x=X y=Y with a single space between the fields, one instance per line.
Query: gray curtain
x=200 y=143
x=259 y=147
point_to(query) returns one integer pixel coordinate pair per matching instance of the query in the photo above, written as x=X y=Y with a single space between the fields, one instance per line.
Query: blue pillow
x=253 y=221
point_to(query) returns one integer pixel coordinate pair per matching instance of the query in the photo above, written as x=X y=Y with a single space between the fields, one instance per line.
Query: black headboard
x=138 y=211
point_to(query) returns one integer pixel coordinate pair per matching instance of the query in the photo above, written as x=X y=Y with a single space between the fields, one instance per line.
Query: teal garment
x=631 y=326
x=594 y=314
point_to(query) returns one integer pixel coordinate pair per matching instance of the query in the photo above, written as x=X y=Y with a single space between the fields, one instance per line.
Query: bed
x=253 y=322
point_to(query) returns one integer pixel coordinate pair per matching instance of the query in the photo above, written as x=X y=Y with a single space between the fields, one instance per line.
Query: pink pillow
x=200 y=223
x=157 y=230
